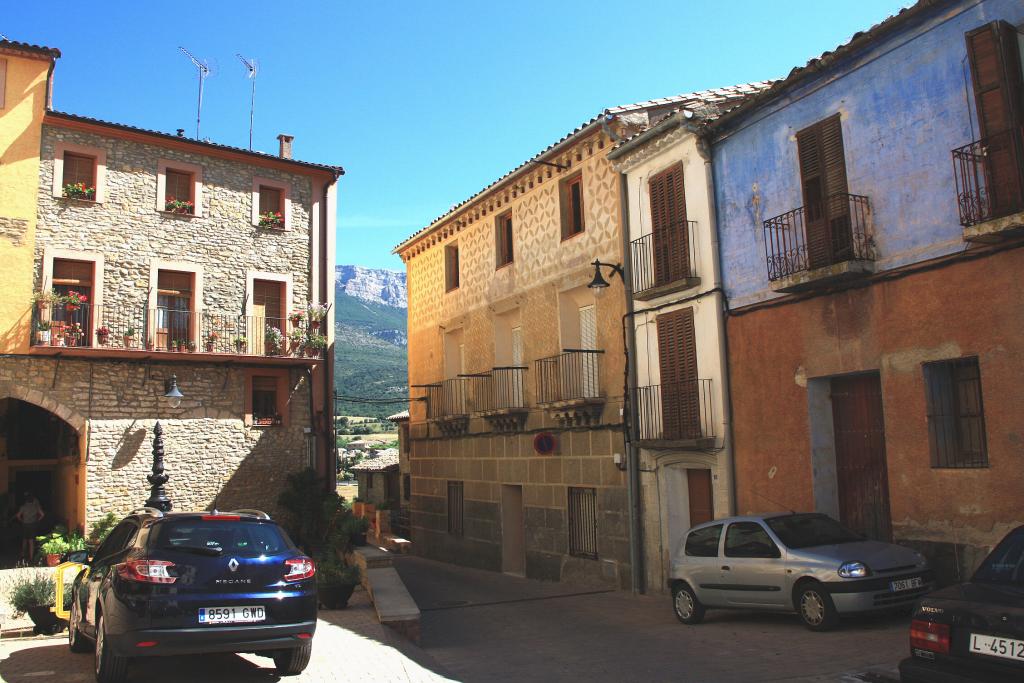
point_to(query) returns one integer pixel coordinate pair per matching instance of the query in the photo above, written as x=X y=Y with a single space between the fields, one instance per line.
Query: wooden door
x=698 y=485
x=669 y=227
x=677 y=361
x=513 y=554
x=861 y=470
x=174 y=315
x=826 y=214
x=267 y=312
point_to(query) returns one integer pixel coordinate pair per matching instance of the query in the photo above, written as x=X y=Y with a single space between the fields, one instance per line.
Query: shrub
x=331 y=572
x=34 y=591
x=312 y=515
x=101 y=528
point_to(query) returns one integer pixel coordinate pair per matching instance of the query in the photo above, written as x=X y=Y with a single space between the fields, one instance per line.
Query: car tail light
x=299 y=568
x=930 y=636
x=224 y=518
x=146 y=571
x=304 y=636
x=146 y=643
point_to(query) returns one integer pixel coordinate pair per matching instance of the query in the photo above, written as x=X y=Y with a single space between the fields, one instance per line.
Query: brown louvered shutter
x=996 y=77
x=823 y=180
x=677 y=359
x=668 y=221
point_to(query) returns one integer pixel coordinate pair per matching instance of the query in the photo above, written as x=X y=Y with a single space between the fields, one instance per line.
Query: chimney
x=181 y=132
x=285 y=150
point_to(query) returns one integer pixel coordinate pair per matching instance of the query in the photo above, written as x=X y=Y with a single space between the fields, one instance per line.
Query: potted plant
x=316 y=313
x=53 y=545
x=129 y=337
x=315 y=343
x=356 y=527
x=271 y=219
x=295 y=341
x=45 y=300
x=335 y=581
x=74 y=300
x=100 y=529
x=57 y=333
x=274 y=341
x=297 y=317
x=211 y=341
x=179 y=206
x=240 y=343
x=34 y=595
x=191 y=346
x=43 y=332
x=180 y=345
x=73 y=334
x=79 y=191
x=102 y=335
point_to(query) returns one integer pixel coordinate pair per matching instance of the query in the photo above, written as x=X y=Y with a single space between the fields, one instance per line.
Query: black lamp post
x=157 y=493
x=599 y=284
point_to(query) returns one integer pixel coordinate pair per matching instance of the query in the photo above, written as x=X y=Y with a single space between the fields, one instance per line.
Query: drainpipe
x=704 y=149
x=636 y=559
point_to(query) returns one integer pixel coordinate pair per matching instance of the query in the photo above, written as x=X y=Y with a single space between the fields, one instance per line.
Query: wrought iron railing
x=448 y=398
x=502 y=388
x=663 y=258
x=165 y=329
x=571 y=375
x=675 y=411
x=989 y=176
x=816 y=236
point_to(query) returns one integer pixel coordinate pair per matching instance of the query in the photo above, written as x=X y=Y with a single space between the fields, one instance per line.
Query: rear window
x=1005 y=565
x=244 y=539
x=704 y=542
x=807 y=531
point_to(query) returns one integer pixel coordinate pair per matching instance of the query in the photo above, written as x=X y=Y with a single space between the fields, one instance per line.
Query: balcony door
x=174 y=309
x=669 y=226
x=69 y=324
x=267 y=312
x=588 y=361
x=825 y=193
x=677 y=361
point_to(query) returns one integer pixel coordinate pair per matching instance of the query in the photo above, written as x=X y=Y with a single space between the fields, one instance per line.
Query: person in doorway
x=30 y=514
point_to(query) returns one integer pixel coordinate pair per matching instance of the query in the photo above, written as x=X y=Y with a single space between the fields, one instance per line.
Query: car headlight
x=854 y=570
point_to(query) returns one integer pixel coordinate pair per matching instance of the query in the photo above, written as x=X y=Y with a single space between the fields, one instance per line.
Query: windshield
x=806 y=531
x=1005 y=565
x=244 y=539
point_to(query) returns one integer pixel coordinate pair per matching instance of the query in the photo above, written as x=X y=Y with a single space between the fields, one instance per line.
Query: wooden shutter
x=517 y=346
x=677 y=360
x=451 y=267
x=78 y=168
x=995 y=62
x=503 y=239
x=588 y=364
x=178 y=185
x=270 y=199
x=3 y=81
x=823 y=180
x=668 y=218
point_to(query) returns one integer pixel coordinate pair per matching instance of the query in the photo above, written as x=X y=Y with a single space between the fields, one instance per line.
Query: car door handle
x=725 y=567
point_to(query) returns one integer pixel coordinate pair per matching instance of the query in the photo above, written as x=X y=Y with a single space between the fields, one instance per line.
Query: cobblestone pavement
x=349 y=645
x=483 y=626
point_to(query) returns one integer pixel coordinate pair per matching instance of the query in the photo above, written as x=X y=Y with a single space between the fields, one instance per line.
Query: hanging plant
x=180 y=206
x=80 y=191
x=271 y=219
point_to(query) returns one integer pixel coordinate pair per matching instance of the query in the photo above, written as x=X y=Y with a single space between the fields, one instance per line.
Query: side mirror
x=80 y=556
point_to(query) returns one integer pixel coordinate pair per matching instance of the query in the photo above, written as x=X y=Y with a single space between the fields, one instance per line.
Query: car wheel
x=292 y=662
x=686 y=605
x=110 y=668
x=76 y=642
x=815 y=606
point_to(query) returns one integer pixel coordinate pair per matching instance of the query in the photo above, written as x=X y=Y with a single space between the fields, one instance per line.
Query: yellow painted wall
x=21 y=120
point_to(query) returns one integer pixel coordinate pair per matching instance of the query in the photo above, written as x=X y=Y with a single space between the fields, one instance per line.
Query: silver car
x=802 y=562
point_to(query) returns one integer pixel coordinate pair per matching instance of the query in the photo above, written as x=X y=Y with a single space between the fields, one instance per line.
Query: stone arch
x=44 y=400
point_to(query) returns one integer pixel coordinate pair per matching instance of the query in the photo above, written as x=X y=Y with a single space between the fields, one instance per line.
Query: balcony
x=820 y=245
x=499 y=396
x=116 y=331
x=448 y=404
x=569 y=385
x=677 y=414
x=664 y=263
x=989 y=176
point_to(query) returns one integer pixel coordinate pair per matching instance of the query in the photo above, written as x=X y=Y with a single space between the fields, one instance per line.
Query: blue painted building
x=869 y=208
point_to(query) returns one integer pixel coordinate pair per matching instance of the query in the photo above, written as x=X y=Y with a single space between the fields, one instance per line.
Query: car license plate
x=231 y=615
x=905 y=584
x=997 y=647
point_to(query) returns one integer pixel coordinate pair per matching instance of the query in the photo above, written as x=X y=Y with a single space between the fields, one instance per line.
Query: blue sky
x=422 y=103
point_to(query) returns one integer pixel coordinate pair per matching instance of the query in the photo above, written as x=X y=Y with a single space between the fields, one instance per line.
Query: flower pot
x=43 y=336
x=45 y=620
x=52 y=559
x=240 y=347
x=314 y=324
x=56 y=340
x=71 y=308
x=209 y=347
x=334 y=595
x=129 y=342
x=149 y=344
x=102 y=338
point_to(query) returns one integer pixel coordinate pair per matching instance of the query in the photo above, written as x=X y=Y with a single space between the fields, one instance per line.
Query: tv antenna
x=252 y=69
x=204 y=71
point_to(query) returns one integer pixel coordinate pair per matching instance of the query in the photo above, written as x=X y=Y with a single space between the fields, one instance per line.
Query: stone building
x=516 y=368
x=870 y=207
x=154 y=257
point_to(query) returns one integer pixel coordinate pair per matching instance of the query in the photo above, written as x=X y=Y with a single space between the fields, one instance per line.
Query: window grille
x=583 y=522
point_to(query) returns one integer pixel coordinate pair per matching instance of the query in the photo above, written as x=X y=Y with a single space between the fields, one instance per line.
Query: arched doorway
x=40 y=452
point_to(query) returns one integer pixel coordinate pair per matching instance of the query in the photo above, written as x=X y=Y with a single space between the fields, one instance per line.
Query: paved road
x=482 y=626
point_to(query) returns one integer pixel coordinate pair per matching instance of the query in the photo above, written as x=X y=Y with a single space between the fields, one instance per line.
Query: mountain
x=370 y=326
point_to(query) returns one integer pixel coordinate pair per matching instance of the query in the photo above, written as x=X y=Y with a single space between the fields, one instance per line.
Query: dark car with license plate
x=194 y=583
x=973 y=631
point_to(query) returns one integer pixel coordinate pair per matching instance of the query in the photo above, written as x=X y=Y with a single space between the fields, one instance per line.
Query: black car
x=193 y=583
x=973 y=631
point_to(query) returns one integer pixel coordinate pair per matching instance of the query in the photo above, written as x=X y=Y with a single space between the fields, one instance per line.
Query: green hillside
x=370 y=355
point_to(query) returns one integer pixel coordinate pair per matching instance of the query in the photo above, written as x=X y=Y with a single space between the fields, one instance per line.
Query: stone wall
x=211 y=455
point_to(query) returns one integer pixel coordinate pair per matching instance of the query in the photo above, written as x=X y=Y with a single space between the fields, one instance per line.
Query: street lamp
x=599 y=284
x=171 y=392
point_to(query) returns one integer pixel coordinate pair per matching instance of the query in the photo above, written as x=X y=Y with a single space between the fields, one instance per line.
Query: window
x=178 y=189
x=72 y=325
x=451 y=267
x=583 y=522
x=671 y=254
x=572 y=206
x=677 y=360
x=956 y=418
x=264 y=402
x=238 y=539
x=80 y=169
x=270 y=199
x=503 y=240
x=174 y=310
x=825 y=194
x=455 y=508
x=1005 y=565
x=749 y=539
x=704 y=542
